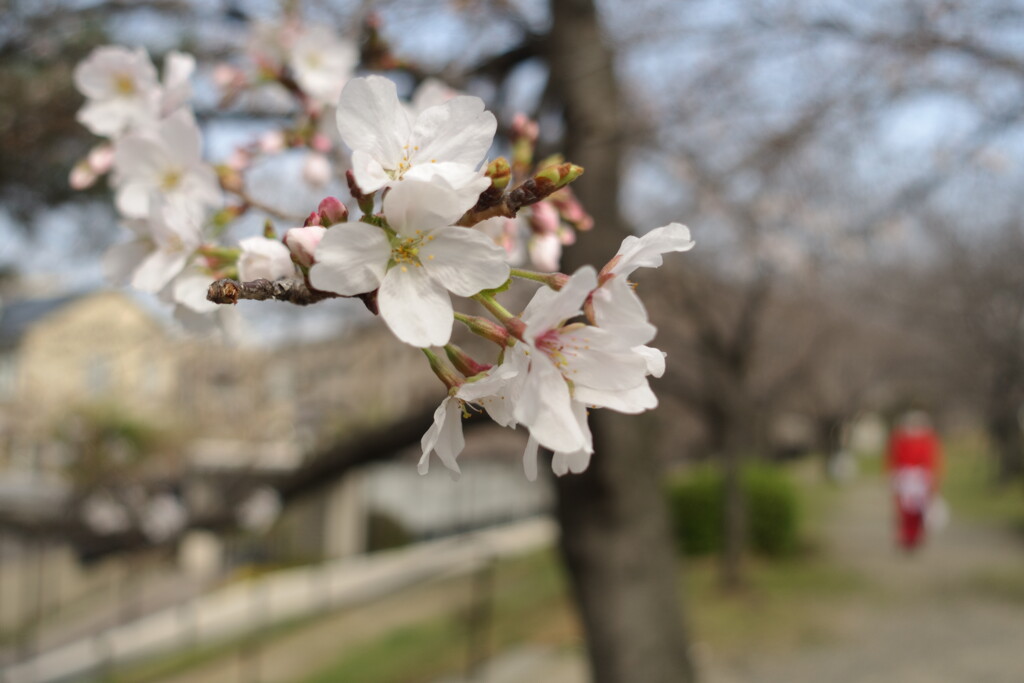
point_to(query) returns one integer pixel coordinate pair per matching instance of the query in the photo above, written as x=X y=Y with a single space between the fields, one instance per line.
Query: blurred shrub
x=384 y=531
x=773 y=511
x=696 y=509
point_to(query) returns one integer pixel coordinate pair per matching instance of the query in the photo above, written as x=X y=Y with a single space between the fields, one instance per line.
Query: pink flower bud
x=544 y=218
x=312 y=219
x=523 y=127
x=101 y=158
x=332 y=211
x=272 y=142
x=316 y=170
x=321 y=143
x=545 y=251
x=302 y=242
x=81 y=176
x=228 y=77
x=239 y=160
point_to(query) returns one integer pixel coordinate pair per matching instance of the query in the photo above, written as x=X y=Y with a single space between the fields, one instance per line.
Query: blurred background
x=242 y=504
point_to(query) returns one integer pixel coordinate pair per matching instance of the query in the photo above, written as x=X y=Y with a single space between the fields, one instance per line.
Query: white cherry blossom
x=322 y=63
x=448 y=140
x=161 y=250
x=264 y=258
x=415 y=266
x=166 y=162
x=573 y=366
x=121 y=89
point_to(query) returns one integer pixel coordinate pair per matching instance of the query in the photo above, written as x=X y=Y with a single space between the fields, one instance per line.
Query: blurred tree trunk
x=614 y=519
x=1005 y=431
x=733 y=446
x=734 y=517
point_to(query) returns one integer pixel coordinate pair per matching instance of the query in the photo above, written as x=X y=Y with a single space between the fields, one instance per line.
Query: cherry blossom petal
x=121 y=260
x=178 y=69
x=370 y=175
x=577 y=461
x=416 y=308
x=530 y=459
x=655 y=359
x=549 y=308
x=200 y=187
x=413 y=206
x=264 y=258
x=132 y=199
x=139 y=158
x=466 y=181
x=646 y=251
x=189 y=290
x=545 y=251
x=351 y=259
x=464 y=261
x=595 y=358
x=106 y=117
x=497 y=391
x=183 y=142
x=371 y=118
x=629 y=401
x=444 y=437
x=459 y=130
x=617 y=308
x=545 y=407
x=158 y=269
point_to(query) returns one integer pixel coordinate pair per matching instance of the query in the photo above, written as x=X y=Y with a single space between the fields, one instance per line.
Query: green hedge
x=773 y=511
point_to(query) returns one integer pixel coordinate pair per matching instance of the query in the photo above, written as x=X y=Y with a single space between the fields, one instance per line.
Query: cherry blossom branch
x=530 y=191
x=228 y=291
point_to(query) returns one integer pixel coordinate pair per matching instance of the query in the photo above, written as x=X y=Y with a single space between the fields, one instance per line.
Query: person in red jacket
x=914 y=462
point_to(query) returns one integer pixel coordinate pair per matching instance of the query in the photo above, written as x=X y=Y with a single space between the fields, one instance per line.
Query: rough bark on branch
x=228 y=291
x=530 y=191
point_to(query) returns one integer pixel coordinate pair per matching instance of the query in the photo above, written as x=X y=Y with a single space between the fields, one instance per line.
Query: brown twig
x=530 y=191
x=228 y=291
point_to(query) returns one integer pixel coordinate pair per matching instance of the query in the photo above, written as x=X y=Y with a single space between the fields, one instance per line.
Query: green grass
x=407 y=655
x=968 y=483
x=785 y=604
x=529 y=604
x=152 y=670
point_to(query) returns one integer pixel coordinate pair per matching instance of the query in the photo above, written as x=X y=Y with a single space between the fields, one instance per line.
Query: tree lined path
x=954 y=612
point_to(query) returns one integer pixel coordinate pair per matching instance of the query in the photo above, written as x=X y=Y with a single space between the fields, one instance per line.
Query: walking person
x=914 y=462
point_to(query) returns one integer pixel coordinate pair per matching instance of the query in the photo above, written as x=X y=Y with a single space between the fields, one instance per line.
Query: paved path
x=934 y=617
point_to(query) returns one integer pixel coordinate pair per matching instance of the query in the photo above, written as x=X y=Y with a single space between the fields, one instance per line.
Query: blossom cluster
x=153 y=153
x=439 y=220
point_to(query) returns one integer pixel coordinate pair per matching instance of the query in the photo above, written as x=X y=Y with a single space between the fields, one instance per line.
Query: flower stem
x=445 y=372
x=492 y=305
x=482 y=327
x=552 y=280
x=513 y=324
x=530 y=275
